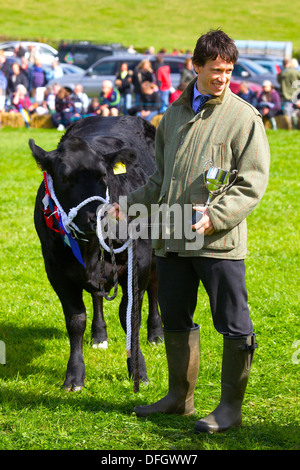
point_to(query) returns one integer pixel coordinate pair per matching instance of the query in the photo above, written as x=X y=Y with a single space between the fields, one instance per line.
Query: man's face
x=214 y=76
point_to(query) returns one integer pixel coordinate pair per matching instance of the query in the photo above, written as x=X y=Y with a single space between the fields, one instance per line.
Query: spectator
x=187 y=73
x=287 y=79
x=175 y=95
x=150 y=102
x=19 y=51
x=4 y=65
x=247 y=94
x=109 y=99
x=55 y=72
x=163 y=80
x=33 y=55
x=94 y=107
x=50 y=96
x=142 y=73
x=3 y=85
x=124 y=84
x=38 y=77
x=64 y=110
x=16 y=78
x=22 y=104
x=296 y=111
x=268 y=103
x=80 y=99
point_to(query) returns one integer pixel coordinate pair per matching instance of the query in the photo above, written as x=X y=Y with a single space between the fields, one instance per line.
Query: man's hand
x=115 y=212
x=204 y=225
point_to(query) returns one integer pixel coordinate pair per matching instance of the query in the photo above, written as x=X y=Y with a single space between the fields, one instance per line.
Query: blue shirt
x=196 y=98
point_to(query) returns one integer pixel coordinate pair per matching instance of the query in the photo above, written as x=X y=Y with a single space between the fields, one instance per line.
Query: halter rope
x=71 y=227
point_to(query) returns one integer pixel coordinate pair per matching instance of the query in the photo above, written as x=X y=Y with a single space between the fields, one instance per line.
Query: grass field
x=160 y=24
x=35 y=413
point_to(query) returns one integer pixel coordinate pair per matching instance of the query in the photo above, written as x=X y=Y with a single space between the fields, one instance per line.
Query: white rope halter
x=71 y=227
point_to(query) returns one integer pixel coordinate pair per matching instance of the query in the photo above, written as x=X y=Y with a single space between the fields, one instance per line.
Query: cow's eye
x=64 y=179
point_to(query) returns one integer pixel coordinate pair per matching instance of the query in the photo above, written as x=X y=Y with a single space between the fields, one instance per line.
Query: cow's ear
x=42 y=157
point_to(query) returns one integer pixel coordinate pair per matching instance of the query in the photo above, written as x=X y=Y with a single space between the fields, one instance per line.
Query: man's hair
x=213 y=44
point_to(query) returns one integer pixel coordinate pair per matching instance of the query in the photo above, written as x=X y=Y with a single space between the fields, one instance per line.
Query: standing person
x=18 y=77
x=124 y=84
x=142 y=73
x=207 y=122
x=187 y=73
x=163 y=80
x=288 y=80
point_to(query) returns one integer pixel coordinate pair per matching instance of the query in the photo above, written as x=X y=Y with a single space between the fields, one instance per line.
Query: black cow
x=83 y=166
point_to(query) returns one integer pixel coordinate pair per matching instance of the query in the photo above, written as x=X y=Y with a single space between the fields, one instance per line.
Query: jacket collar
x=186 y=97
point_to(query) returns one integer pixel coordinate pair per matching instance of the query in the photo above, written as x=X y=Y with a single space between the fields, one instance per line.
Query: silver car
x=107 y=68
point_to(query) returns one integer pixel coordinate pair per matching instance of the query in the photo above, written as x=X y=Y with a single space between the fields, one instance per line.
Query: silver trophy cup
x=217 y=180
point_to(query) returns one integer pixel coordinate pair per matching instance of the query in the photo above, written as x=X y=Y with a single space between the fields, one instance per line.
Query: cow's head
x=80 y=170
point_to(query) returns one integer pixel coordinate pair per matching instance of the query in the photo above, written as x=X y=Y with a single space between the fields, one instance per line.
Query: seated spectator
x=247 y=94
x=21 y=100
x=80 y=99
x=109 y=99
x=21 y=103
x=124 y=84
x=55 y=72
x=50 y=96
x=16 y=78
x=64 y=110
x=268 y=103
x=150 y=104
x=4 y=65
x=94 y=107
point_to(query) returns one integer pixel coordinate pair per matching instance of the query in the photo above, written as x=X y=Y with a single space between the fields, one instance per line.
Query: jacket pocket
x=224 y=240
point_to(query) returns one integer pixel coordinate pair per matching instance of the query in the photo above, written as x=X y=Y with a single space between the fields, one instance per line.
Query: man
x=109 y=99
x=288 y=80
x=229 y=132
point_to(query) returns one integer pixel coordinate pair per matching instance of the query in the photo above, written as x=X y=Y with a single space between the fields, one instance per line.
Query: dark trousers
x=224 y=282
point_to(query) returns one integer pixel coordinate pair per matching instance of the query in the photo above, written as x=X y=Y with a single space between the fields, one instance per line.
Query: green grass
x=35 y=413
x=161 y=24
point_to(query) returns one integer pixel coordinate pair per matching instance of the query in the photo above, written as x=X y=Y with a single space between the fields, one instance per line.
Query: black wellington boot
x=237 y=359
x=183 y=356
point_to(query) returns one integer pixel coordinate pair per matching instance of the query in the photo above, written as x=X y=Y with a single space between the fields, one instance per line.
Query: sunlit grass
x=35 y=413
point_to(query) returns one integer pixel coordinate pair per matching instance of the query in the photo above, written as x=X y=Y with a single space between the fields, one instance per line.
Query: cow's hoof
x=73 y=388
x=102 y=345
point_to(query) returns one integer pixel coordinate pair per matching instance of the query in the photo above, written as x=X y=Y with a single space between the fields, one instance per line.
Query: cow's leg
x=70 y=296
x=154 y=324
x=99 y=334
x=131 y=361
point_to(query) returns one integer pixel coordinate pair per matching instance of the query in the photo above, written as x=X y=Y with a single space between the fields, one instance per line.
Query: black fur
x=82 y=166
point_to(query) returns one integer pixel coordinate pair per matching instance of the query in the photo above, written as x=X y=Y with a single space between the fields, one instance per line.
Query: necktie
x=203 y=100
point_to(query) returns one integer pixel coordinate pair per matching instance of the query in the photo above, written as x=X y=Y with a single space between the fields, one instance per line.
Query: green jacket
x=229 y=132
x=288 y=80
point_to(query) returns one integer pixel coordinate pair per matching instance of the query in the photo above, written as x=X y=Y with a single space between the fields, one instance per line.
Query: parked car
x=235 y=86
x=249 y=70
x=272 y=63
x=107 y=68
x=46 y=52
x=85 y=54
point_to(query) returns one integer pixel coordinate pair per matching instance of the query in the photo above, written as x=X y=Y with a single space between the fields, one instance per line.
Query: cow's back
x=137 y=133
